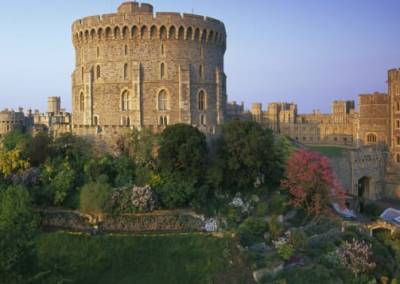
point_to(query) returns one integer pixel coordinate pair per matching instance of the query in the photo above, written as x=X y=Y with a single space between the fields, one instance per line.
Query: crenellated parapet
x=137 y=23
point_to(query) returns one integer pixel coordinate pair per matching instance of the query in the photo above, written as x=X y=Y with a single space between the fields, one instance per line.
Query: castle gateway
x=136 y=68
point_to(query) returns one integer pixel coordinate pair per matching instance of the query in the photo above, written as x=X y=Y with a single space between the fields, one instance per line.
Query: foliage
x=11 y=162
x=298 y=238
x=285 y=251
x=251 y=231
x=174 y=192
x=274 y=227
x=311 y=183
x=16 y=138
x=372 y=210
x=183 y=152
x=131 y=200
x=246 y=156
x=39 y=149
x=94 y=198
x=18 y=225
x=356 y=256
x=143 y=145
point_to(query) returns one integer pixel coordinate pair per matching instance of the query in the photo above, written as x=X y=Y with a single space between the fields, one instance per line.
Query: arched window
x=162 y=100
x=98 y=72
x=95 y=121
x=189 y=33
x=163 y=32
x=126 y=50
x=98 y=52
x=143 y=31
x=81 y=102
x=153 y=32
x=201 y=71
x=126 y=71
x=181 y=33
x=162 y=71
x=202 y=100
x=128 y=121
x=371 y=138
x=125 y=101
x=197 y=35
x=134 y=32
x=172 y=32
x=125 y=32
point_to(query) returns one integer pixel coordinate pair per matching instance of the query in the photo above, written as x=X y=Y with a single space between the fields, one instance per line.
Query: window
x=371 y=138
x=162 y=71
x=128 y=121
x=202 y=119
x=398 y=106
x=162 y=100
x=162 y=50
x=163 y=121
x=398 y=140
x=201 y=71
x=98 y=52
x=126 y=71
x=398 y=158
x=126 y=50
x=98 y=72
x=398 y=123
x=82 y=73
x=81 y=102
x=125 y=101
x=95 y=120
x=202 y=100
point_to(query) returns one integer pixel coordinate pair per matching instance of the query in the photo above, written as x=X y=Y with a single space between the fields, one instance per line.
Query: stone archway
x=363 y=192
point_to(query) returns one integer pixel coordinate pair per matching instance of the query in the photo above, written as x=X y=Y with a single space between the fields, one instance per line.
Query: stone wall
x=158 y=221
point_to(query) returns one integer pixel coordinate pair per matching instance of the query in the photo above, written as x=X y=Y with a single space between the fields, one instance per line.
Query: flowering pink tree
x=310 y=181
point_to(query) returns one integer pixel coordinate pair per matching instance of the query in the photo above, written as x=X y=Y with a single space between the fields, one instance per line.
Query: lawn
x=329 y=151
x=139 y=259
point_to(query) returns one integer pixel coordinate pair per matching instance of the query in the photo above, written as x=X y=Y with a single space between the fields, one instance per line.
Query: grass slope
x=139 y=259
x=329 y=151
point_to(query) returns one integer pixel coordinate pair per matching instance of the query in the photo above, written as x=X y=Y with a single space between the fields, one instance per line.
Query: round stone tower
x=136 y=68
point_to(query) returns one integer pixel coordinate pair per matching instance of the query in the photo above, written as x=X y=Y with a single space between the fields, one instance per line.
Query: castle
x=136 y=68
x=140 y=69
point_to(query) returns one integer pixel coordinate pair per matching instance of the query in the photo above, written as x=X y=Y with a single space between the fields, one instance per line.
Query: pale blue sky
x=307 y=51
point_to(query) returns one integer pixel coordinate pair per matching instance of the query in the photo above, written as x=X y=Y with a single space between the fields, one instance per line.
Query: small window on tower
x=201 y=71
x=126 y=71
x=162 y=50
x=162 y=71
x=98 y=72
x=126 y=50
x=98 y=52
x=398 y=123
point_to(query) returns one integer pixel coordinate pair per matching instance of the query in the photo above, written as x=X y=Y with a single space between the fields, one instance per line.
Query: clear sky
x=306 y=51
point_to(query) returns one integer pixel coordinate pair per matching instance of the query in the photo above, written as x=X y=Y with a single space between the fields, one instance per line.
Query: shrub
x=131 y=200
x=94 y=198
x=356 y=256
x=286 y=251
x=372 y=210
x=251 y=231
x=298 y=238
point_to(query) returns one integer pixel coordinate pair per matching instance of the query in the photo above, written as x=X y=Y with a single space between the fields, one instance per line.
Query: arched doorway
x=363 y=192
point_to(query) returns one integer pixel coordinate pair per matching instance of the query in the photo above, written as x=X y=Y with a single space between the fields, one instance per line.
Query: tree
x=95 y=198
x=183 y=152
x=39 y=149
x=11 y=162
x=246 y=154
x=16 y=138
x=311 y=183
x=18 y=226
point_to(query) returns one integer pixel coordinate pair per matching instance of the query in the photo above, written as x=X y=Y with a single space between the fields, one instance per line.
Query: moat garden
x=247 y=207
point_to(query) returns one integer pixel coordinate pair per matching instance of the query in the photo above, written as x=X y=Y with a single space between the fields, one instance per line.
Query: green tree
x=94 y=198
x=183 y=152
x=246 y=154
x=39 y=149
x=18 y=226
x=16 y=138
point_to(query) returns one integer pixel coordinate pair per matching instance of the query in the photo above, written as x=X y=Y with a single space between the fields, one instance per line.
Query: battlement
x=394 y=74
x=138 y=20
x=135 y=8
x=374 y=98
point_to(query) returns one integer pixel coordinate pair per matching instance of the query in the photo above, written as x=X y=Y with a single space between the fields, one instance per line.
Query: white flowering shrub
x=132 y=200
